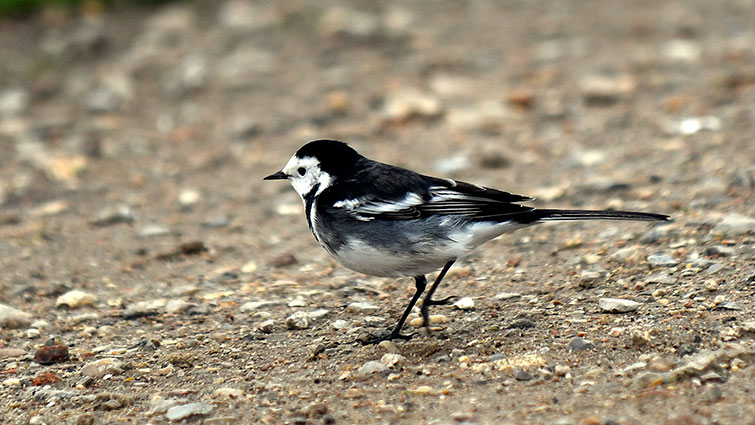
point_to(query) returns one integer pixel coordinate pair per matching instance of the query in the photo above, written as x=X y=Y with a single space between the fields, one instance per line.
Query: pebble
x=682 y=50
x=389 y=346
x=298 y=320
x=250 y=306
x=176 y=413
x=227 y=392
x=284 y=260
x=711 y=285
x=392 y=359
x=465 y=303
x=216 y=221
x=11 y=318
x=617 y=305
x=590 y=276
x=109 y=216
x=710 y=376
x=266 y=326
x=522 y=375
x=13 y=101
x=634 y=367
x=12 y=382
x=503 y=296
x=606 y=89
x=188 y=197
x=340 y=324
x=661 y=278
x=692 y=125
x=75 y=299
x=424 y=390
x=647 y=379
x=578 y=344
x=434 y=318
x=410 y=103
x=361 y=307
x=720 y=250
x=522 y=324
x=177 y=306
x=158 y=404
x=661 y=260
x=143 y=309
x=99 y=368
x=6 y=353
x=153 y=230
x=735 y=224
x=660 y=365
x=370 y=368
x=707 y=361
x=32 y=333
x=51 y=354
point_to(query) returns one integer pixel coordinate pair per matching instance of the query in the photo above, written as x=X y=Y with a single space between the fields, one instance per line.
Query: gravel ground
x=148 y=275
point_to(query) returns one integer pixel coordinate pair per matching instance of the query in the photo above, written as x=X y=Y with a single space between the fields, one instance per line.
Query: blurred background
x=166 y=114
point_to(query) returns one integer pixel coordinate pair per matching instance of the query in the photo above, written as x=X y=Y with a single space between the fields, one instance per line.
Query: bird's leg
x=428 y=301
x=420 y=282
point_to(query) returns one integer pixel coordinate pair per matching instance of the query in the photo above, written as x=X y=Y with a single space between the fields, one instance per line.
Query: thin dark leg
x=428 y=301
x=420 y=282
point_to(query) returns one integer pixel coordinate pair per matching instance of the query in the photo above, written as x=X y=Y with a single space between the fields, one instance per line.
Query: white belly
x=420 y=258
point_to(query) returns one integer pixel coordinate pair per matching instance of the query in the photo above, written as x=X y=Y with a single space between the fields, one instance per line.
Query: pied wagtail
x=383 y=220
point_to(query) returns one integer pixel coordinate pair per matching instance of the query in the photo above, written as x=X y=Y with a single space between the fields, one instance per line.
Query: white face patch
x=305 y=173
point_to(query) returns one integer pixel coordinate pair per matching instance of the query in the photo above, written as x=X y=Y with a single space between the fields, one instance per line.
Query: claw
x=425 y=309
x=444 y=301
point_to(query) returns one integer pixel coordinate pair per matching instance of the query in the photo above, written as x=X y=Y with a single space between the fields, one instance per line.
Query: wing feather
x=438 y=197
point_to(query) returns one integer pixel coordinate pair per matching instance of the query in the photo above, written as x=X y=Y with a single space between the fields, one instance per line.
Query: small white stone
x=465 y=303
x=392 y=359
x=227 y=392
x=100 y=368
x=370 y=368
x=177 y=306
x=340 y=324
x=188 y=197
x=75 y=299
x=361 y=307
x=298 y=320
x=502 y=296
x=617 y=305
x=176 y=413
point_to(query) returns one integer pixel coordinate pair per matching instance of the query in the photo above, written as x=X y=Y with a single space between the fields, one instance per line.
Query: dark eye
x=301 y=171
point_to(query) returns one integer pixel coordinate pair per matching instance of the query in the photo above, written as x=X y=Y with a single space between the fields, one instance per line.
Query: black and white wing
x=405 y=195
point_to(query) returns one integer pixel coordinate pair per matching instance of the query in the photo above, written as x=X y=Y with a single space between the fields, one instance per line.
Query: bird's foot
x=387 y=336
x=426 y=309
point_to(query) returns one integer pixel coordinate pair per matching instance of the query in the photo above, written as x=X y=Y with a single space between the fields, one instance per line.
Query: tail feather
x=561 y=215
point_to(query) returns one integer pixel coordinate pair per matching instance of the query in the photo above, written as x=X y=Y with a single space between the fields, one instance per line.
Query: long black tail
x=559 y=215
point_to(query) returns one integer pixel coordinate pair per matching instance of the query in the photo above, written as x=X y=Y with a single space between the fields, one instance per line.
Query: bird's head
x=316 y=166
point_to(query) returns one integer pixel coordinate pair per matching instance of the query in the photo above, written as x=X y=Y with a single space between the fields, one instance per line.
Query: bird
x=383 y=220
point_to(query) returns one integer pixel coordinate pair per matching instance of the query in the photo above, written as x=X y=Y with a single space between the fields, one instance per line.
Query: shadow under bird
x=383 y=220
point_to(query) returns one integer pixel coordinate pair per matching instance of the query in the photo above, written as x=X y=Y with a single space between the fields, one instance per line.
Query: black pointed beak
x=280 y=175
